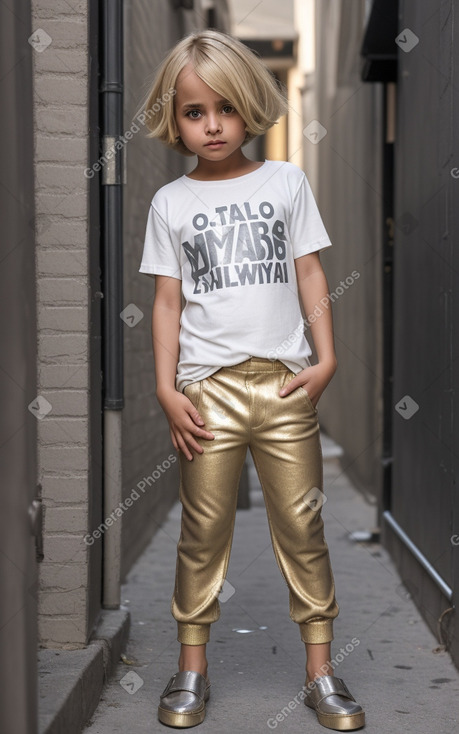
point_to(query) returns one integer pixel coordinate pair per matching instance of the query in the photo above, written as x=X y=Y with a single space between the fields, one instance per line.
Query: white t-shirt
x=232 y=243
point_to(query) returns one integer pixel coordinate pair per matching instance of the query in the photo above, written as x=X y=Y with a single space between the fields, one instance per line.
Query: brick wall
x=61 y=145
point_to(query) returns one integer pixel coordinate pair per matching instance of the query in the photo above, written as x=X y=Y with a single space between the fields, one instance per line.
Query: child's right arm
x=184 y=420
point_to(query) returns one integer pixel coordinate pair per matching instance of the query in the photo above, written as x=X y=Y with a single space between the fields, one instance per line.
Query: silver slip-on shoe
x=333 y=703
x=183 y=701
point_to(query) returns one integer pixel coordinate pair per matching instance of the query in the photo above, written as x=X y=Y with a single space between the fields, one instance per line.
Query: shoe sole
x=181 y=720
x=340 y=722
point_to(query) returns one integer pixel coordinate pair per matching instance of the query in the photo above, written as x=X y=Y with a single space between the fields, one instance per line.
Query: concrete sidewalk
x=256 y=658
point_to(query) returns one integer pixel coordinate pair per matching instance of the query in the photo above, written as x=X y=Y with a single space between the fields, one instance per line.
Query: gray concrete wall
x=347 y=184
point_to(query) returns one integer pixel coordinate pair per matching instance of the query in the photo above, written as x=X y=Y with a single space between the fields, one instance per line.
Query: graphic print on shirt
x=221 y=247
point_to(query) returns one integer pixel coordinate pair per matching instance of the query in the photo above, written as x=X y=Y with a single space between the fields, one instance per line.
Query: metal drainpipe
x=113 y=172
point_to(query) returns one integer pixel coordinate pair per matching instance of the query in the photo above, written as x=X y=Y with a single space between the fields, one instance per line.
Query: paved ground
x=256 y=657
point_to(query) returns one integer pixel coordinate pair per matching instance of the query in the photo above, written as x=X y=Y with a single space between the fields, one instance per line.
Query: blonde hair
x=227 y=66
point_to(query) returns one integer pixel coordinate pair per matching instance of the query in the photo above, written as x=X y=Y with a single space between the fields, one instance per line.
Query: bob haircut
x=230 y=69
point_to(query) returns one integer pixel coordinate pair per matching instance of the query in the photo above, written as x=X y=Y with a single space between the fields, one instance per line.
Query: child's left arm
x=312 y=287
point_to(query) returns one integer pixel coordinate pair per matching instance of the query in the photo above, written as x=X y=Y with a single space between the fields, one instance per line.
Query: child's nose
x=213 y=122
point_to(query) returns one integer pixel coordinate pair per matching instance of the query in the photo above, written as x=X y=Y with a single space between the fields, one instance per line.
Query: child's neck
x=230 y=167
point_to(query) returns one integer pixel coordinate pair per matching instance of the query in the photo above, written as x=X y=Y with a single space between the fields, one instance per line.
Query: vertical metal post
x=111 y=93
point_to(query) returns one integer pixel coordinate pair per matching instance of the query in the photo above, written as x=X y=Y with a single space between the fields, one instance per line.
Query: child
x=239 y=240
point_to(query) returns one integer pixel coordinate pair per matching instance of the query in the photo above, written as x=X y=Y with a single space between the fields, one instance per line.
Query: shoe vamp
x=338 y=705
x=181 y=702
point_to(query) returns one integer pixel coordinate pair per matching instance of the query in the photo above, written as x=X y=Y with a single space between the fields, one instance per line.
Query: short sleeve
x=307 y=230
x=160 y=255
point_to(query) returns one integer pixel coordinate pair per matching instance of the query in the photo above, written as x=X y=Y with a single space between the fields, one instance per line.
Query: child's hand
x=313 y=379
x=184 y=421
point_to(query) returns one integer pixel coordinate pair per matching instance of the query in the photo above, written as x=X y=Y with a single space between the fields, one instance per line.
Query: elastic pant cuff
x=317 y=631
x=193 y=634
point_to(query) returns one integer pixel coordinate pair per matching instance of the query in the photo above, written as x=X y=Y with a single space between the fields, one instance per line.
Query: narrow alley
x=390 y=660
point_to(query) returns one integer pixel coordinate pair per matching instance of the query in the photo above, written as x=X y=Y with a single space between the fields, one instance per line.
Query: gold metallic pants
x=241 y=406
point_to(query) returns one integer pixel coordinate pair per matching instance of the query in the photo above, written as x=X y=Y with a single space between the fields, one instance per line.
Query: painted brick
x=57 y=431
x=70 y=233
x=66 y=632
x=62 y=291
x=62 y=348
x=60 y=459
x=63 y=319
x=69 y=376
x=63 y=459
x=62 y=576
x=65 y=149
x=63 y=262
x=66 y=402
x=59 y=89
x=64 y=548
x=71 y=61
x=62 y=205
x=65 y=180
x=51 y=8
x=57 y=119
x=72 y=602
x=72 y=520
x=60 y=489
x=64 y=33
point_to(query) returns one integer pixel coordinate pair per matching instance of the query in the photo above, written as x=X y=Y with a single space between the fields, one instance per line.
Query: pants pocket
x=301 y=388
x=304 y=393
x=193 y=392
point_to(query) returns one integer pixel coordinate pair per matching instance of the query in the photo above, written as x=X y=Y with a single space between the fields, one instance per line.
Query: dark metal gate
x=422 y=509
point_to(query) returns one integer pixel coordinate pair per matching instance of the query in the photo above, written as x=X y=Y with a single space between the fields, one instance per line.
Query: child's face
x=202 y=115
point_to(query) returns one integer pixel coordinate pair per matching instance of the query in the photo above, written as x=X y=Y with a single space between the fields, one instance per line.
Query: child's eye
x=195 y=114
